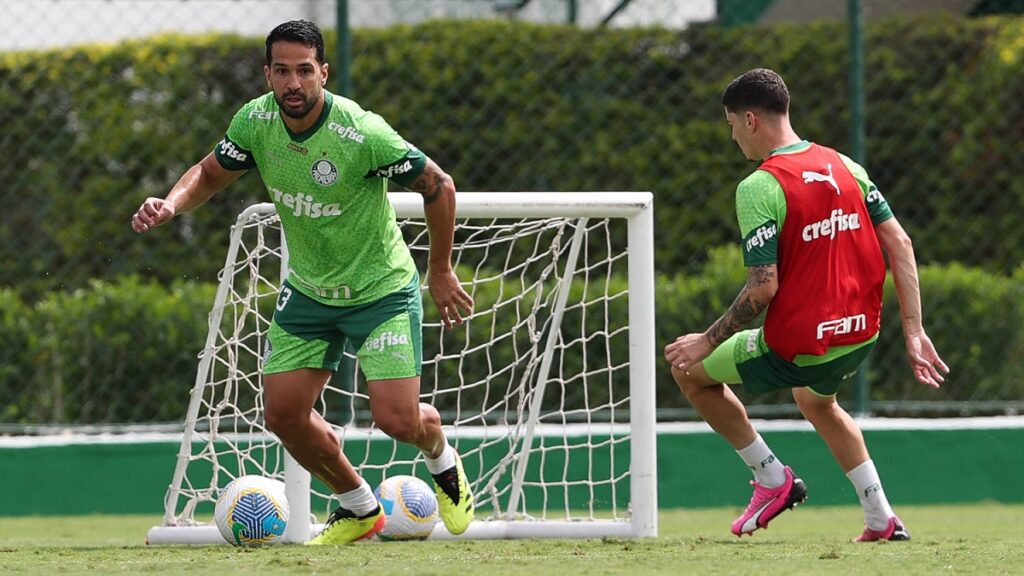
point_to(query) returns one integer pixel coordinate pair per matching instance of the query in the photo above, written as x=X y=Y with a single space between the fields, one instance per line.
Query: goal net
x=547 y=389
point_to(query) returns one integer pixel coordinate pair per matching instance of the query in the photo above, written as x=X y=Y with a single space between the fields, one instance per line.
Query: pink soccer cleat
x=893 y=531
x=767 y=503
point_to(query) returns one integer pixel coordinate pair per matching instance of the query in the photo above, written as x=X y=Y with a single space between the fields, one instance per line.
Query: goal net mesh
x=533 y=389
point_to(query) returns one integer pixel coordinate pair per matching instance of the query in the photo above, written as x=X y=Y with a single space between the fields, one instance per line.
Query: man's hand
x=688 y=350
x=153 y=212
x=449 y=297
x=925 y=361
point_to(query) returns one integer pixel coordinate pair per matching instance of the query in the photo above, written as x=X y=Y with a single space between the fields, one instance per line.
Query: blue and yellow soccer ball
x=410 y=506
x=252 y=511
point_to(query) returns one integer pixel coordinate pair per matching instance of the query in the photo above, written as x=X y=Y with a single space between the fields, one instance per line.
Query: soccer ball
x=252 y=511
x=410 y=507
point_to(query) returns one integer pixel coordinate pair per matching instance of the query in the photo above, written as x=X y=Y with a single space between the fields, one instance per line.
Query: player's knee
x=429 y=415
x=686 y=383
x=816 y=409
x=406 y=430
x=283 y=421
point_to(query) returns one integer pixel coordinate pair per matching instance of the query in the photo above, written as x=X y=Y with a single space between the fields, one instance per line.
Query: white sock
x=443 y=462
x=877 y=510
x=360 y=501
x=768 y=470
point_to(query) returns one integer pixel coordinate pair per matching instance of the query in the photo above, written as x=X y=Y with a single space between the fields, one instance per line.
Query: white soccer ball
x=252 y=511
x=410 y=506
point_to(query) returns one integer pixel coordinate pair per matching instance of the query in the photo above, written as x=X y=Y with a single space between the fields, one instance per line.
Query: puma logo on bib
x=811 y=176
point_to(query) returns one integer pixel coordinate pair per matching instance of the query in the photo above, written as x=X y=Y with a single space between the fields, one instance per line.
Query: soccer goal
x=547 y=390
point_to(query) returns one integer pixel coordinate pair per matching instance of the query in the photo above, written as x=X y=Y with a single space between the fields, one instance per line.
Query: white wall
x=34 y=24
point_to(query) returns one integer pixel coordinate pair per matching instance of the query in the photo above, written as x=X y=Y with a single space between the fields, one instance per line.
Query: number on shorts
x=286 y=294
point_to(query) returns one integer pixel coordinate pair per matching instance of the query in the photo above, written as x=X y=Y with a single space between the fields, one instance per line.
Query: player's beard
x=302 y=112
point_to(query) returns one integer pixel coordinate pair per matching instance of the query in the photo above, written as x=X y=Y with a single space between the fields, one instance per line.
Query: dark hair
x=301 y=31
x=760 y=89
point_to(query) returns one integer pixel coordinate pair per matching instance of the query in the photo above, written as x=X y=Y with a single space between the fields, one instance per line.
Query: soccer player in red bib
x=814 y=227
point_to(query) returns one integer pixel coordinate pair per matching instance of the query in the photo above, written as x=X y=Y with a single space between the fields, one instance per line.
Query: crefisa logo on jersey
x=324 y=172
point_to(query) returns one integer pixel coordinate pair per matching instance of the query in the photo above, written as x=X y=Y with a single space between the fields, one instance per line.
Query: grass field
x=976 y=539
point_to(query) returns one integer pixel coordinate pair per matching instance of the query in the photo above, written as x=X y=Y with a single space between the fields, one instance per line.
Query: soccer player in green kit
x=325 y=163
x=813 y=227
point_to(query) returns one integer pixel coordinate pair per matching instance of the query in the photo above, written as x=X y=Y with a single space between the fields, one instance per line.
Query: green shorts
x=746 y=359
x=386 y=334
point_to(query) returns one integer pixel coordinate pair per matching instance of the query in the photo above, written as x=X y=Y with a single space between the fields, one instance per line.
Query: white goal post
x=547 y=390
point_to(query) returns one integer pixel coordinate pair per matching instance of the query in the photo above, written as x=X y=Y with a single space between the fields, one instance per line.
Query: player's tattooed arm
x=438 y=190
x=433 y=183
x=762 y=283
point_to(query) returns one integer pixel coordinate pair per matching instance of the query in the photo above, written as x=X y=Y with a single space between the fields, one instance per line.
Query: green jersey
x=329 y=184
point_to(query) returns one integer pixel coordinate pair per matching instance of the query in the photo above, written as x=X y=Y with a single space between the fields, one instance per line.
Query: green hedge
x=514 y=106
x=127 y=351
x=111 y=352
x=975 y=321
x=99 y=324
x=16 y=361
